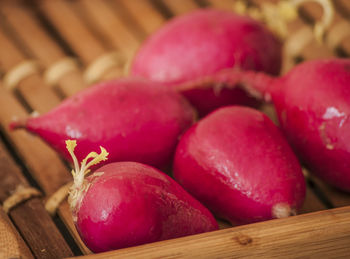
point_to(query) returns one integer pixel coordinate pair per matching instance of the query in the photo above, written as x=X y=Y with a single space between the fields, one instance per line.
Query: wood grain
x=30 y=32
x=337 y=197
x=12 y=244
x=110 y=26
x=181 y=7
x=315 y=235
x=144 y=13
x=42 y=161
x=31 y=218
x=72 y=28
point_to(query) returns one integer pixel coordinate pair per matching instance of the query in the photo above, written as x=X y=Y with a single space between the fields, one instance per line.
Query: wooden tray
x=50 y=50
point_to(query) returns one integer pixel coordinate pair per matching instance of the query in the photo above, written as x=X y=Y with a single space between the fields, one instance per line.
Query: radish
x=136 y=120
x=202 y=43
x=127 y=204
x=238 y=164
x=312 y=102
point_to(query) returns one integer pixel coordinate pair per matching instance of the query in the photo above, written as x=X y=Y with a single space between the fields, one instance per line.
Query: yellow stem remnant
x=79 y=173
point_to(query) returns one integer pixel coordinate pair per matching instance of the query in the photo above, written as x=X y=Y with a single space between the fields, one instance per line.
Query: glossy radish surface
x=204 y=42
x=312 y=102
x=136 y=120
x=238 y=164
x=127 y=204
x=313 y=106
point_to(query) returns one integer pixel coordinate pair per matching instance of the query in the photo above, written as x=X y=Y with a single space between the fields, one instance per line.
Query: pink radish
x=312 y=102
x=136 y=120
x=237 y=163
x=204 y=42
x=127 y=204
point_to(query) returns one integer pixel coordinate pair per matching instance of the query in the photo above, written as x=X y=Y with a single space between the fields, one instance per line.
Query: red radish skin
x=238 y=164
x=136 y=120
x=127 y=204
x=313 y=108
x=202 y=43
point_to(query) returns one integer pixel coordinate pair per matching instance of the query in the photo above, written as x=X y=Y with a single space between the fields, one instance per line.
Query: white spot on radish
x=331 y=113
x=72 y=133
x=104 y=215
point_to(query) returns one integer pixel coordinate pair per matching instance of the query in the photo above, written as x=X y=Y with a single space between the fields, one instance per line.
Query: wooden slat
x=338 y=36
x=42 y=161
x=343 y=8
x=222 y=4
x=48 y=170
x=43 y=47
x=144 y=13
x=9 y=55
x=312 y=203
x=74 y=31
x=336 y=197
x=110 y=25
x=315 y=235
x=12 y=244
x=180 y=7
x=33 y=88
x=27 y=28
x=31 y=218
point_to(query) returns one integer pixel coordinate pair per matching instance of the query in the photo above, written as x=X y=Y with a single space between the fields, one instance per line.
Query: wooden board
x=304 y=236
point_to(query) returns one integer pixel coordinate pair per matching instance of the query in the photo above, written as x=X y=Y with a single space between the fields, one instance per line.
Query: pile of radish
x=234 y=160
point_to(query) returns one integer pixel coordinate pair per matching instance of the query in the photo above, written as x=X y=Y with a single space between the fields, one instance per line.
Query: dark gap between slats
x=16 y=157
x=58 y=92
x=67 y=236
x=202 y=3
x=125 y=15
x=25 y=171
x=15 y=40
x=298 y=59
x=340 y=52
x=20 y=98
x=89 y=24
x=50 y=29
x=319 y=193
x=18 y=229
x=162 y=8
x=305 y=16
x=342 y=9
